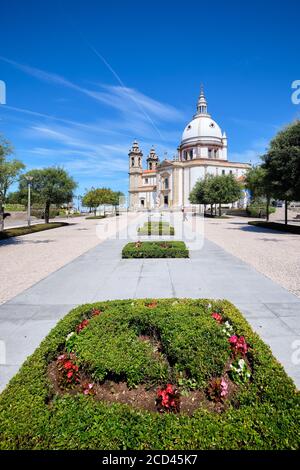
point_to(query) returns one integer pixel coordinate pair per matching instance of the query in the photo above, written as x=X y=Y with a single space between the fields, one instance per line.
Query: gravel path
x=275 y=254
x=28 y=259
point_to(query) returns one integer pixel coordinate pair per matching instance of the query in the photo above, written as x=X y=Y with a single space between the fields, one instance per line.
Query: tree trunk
x=268 y=209
x=95 y=211
x=47 y=212
x=285 y=212
x=220 y=209
x=1 y=217
x=215 y=209
x=211 y=210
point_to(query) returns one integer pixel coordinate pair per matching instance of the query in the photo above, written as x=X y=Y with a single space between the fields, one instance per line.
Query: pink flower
x=238 y=344
x=224 y=388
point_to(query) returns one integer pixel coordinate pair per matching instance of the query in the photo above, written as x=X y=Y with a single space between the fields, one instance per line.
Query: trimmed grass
x=156 y=228
x=261 y=414
x=277 y=226
x=158 y=249
x=18 y=231
x=92 y=217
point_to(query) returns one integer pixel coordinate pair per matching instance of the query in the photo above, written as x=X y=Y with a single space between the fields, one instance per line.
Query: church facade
x=168 y=183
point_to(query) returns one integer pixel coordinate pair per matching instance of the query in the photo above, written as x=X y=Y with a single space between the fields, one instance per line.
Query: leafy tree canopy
x=282 y=163
x=51 y=185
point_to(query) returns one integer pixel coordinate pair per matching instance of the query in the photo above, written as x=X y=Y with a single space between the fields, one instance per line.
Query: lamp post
x=28 y=179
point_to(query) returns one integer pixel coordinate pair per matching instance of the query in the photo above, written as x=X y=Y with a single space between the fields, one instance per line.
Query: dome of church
x=202 y=127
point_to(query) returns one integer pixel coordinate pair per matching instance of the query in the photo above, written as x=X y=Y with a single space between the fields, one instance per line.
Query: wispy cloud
x=126 y=100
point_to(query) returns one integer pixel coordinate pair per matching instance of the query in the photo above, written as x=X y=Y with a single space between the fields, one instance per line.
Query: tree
x=9 y=174
x=51 y=185
x=96 y=197
x=199 y=193
x=282 y=165
x=220 y=190
x=115 y=198
x=259 y=185
x=101 y=196
x=223 y=189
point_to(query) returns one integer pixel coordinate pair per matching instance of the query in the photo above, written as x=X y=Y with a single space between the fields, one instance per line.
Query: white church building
x=167 y=184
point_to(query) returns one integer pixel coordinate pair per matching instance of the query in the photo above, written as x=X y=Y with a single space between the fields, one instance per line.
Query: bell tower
x=135 y=174
x=152 y=160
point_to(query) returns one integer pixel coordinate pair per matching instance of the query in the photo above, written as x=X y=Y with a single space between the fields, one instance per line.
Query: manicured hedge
x=277 y=226
x=159 y=249
x=92 y=217
x=156 y=228
x=18 y=231
x=264 y=415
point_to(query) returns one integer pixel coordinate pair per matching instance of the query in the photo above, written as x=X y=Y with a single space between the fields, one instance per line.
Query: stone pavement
x=101 y=274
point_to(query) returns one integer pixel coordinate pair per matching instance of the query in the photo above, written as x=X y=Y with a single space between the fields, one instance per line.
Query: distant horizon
x=84 y=80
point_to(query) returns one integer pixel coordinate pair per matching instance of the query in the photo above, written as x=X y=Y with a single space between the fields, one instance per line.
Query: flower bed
x=156 y=228
x=151 y=374
x=18 y=231
x=159 y=249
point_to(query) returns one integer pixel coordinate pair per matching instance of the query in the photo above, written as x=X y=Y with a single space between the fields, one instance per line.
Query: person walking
x=184 y=216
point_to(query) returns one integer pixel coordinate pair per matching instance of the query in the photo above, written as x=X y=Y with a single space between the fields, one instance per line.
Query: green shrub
x=159 y=249
x=258 y=209
x=265 y=414
x=156 y=228
x=276 y=226
x=14 y=208
x=40 y=213
x=18 y=231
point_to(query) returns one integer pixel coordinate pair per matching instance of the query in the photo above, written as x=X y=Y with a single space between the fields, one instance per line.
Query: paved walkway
x=273 y=253
x=26 y=260
x=101 y=274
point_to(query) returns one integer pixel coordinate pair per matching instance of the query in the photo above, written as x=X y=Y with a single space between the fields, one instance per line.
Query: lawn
x=18 y=231
x=156 y=228
x=151 y=374
x=158 y=249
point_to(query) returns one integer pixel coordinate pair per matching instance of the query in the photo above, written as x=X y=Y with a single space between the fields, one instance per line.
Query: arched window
x=185 y=155
x=132 y=161
x=150 y=165
x=166 y=183
x=191 y=154
x=216 y=153
x=209 y=153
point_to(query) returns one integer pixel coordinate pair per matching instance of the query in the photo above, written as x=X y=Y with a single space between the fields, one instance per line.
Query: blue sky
x=85 y=78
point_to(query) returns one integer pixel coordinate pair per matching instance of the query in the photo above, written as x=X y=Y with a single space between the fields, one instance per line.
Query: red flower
x=68 y=365
x=68 y=370
x=82 y=325
x=168 y=399
x=96 y=312
x=152 y=304
x=217 y=317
